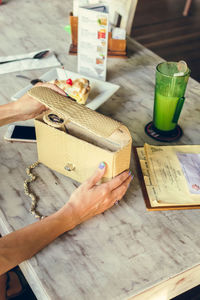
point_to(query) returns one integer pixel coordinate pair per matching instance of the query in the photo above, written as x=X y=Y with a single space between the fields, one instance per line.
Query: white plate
x=100 y=91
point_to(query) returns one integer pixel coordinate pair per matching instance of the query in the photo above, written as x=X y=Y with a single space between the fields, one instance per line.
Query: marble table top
x=127 y=249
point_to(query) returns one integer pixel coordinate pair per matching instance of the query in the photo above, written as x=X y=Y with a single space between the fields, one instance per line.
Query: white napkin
x=28 y=64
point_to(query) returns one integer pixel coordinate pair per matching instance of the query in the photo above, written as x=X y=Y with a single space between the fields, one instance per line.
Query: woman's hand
x=90 y=199
x=28 y=108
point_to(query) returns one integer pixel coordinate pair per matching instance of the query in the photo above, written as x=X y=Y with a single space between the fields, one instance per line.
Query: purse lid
x=83 y=116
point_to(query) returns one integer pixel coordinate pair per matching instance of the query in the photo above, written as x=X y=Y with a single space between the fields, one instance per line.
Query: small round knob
x=69 y=167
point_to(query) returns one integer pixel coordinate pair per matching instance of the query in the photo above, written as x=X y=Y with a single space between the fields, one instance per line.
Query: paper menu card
x=171 y=174
x=83 y=3
x=93 y=41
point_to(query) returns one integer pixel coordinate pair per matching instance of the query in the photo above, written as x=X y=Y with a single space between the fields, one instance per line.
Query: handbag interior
x=115 y=142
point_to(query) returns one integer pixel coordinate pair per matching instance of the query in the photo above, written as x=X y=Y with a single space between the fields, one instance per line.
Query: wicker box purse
x=73 y=139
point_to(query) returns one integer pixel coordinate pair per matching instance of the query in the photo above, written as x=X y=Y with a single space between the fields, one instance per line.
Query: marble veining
x=126 y=250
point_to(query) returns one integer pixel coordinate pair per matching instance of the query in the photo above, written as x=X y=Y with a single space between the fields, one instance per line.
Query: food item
x=69 y=81
x=77 y=89
x=182 y=66
x=99 y=61
x=102 y=34
x=102 y=21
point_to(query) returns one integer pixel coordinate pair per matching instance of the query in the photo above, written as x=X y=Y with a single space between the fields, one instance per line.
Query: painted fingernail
x=129 y=173
x=132 y=177
x=102 y=165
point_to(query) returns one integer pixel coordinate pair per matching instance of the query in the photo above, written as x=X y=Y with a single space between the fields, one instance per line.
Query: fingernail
x=129 y=173
x=102 y=165
x=132 y=177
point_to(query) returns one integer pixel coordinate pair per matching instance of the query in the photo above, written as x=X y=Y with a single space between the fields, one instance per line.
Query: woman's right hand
x=91 y=198
x=28 y=108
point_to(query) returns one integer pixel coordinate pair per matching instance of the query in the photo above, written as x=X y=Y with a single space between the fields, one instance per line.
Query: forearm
x=24 y=243
x=8 y=113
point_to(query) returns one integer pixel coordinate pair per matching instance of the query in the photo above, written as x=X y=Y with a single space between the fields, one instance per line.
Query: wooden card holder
x=74 y=33
x=116 y=48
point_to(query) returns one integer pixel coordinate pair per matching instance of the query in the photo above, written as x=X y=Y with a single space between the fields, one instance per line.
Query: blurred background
x=160 y=26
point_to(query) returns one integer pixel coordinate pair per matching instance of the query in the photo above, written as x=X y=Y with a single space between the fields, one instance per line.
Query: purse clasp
x=69 y=167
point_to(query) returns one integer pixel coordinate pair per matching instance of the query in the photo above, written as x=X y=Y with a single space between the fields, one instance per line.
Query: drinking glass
x=170 y=88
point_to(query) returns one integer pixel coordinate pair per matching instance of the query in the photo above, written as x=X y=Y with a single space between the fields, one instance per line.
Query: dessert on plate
x=77 y=89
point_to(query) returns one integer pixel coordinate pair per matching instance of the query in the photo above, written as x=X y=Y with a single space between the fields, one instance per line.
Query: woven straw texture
x=81 y=115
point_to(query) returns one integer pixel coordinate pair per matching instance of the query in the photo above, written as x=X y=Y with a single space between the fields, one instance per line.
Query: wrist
x=17 y=109
x=67 y=217
x=9 y=114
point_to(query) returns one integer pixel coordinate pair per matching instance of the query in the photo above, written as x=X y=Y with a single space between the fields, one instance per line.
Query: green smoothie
x=170 y=88
x=164 y=108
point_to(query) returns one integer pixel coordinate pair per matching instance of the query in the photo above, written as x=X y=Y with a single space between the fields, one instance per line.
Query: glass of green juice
x=171 y=82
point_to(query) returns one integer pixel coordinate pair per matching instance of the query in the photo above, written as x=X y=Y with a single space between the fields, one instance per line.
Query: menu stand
x=116 y=48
